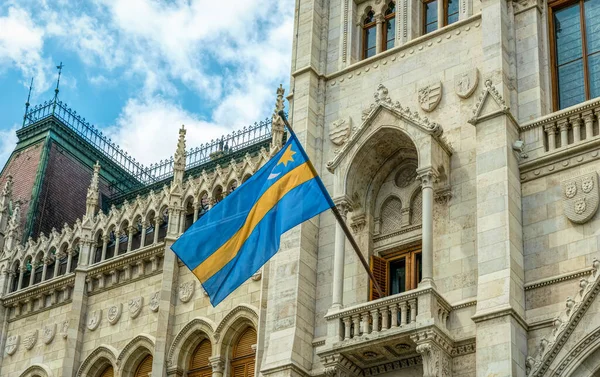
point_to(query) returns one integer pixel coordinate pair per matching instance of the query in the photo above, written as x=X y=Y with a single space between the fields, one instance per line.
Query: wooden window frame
x=553 y=6
x=445 y=15
x=384 y=33
x=412 y=278
x=365 y=27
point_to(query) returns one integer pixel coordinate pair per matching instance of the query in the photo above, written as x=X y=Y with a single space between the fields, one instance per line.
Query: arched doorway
x=244 y=356
x=199 y=365
x=108 y=372
x=144 y=369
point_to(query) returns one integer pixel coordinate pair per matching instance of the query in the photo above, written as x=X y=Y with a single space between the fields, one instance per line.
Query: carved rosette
x=114 y=313
x=186 y=291
x=12 y=344
x=48 y=333
x=135 y=306
x=154 y=302
x=94 y=319
x=30 y=339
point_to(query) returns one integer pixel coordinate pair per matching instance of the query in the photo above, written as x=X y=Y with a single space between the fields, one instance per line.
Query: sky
x=139 y=69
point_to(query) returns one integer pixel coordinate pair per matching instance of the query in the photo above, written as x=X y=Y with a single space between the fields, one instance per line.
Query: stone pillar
x=32 y=275
x=56 y=265
x=105 y=238
x=196 y=208
x=436 y=357
x=576 y=124
x=45 y=268
x=218 y=365
x=143 y=235
x=130 y=238
x=563 y=125
x=550 y=130
x=588 y=118
x=23 y=269
x=427 y=176
x=379 y=19
x=157 y=223
x=337 y=301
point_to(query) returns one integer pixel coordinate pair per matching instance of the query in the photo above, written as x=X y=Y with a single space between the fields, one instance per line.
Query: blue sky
x=138 y=69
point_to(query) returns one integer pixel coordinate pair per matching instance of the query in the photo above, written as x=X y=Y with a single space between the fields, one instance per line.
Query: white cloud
x=8 y=139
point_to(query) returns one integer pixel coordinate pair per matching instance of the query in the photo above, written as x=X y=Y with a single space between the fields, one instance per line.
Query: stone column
x=588 y=118
x=436 y=357
x=427 y=176
x=563 y=125
x=550 y=130
x=105 y=238
x=576 y=124
x=217 y=363
x=157 y=223
x=32 y=275
x=143 y=235
x=130 y=237
x=337 y=301
x=45 y=268
x=56 y=265
x=379 y=19
x=23 y=269
x=196 y=208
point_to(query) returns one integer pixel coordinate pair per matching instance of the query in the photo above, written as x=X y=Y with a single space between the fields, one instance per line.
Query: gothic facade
x=460 y=141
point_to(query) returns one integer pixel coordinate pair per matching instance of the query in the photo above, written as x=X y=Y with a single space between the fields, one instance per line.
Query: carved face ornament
x=570 y=189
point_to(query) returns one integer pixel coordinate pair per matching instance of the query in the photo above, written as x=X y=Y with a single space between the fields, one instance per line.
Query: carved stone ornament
x=65 y=329
x=30 y=339
x=154 y=302
x=580 y=197
x=430 y=96
x=135 y=306
x=12 y=343
x=340 y=131
x=94 y=319
x=466 y=82
x=186 y=291
x=114 y=313
x=48 y=333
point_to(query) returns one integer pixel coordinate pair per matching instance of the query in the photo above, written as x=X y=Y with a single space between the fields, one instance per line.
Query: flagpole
x=338 y=217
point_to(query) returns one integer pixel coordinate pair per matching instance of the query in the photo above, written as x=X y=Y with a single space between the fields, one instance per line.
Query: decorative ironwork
x=146 y=175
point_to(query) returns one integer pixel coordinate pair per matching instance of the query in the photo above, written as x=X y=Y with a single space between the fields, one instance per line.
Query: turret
x=277 y=125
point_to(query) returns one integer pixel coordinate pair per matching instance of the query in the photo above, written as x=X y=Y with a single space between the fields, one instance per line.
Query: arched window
x=389 y=28
x=74 y=258
x=51 y=263
x=244 y=356
x=199 y=364
x=15 y=280
x=27 y=274
x=369 y=36
x=145 y=367
x=108 y=372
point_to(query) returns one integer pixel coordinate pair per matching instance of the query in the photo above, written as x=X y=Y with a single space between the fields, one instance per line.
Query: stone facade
x=446 y=144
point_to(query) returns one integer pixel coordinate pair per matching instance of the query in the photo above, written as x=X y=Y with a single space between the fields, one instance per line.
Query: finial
x=59 y=67
x=277 y=123
x=27 y=103
x=180 y=152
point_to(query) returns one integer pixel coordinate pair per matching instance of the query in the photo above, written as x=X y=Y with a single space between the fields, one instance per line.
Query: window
x=430 y=14
x=397 y=272
x=575 y=51
x=369 y=35
x=389 y=28
x=242 y=363
x=199 y=364
x=145 y=367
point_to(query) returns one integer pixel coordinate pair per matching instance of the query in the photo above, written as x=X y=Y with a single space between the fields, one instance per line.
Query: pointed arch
x=134 y=352
x=188 y=338
x=233 y=325
x=37 y=370
x=96 y=362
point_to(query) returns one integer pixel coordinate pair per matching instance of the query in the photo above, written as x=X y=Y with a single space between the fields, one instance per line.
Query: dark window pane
x=568 y=34
x=431 y=12
x=430 y=27
x=391 y=33
x=398 y=276
x=594 y=73
x=370 y=41
x=452 y=11
x=570 y=84
x=592 y=25
x=419 y=267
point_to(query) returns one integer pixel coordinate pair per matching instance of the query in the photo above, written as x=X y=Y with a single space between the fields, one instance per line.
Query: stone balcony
x=391 y=333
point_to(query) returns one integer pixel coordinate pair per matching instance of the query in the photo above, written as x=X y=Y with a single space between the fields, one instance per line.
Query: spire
x=179 y=158
x=5 y=196
x=59 y=67
x=277 y=125
x=27 y=103
x=92 y=194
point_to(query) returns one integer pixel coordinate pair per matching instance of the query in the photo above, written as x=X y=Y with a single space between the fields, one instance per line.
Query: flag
x=233 y=240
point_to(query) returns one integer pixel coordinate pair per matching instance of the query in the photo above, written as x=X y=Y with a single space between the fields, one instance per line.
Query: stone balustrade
x=561 y=130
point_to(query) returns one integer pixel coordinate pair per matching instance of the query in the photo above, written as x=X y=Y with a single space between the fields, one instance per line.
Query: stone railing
x=399 y=312
x=561 y=130
x=125 y=268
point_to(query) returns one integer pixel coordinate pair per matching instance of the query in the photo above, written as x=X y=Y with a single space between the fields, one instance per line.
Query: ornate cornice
x=557 y=279
x=558 y=115
x=393 y=365
x=463 y=305
x=465 y=347
x=126 y=259
x=285 y=367
x=408 y=229
x=67 y=280
x=583 y=344
x=501 y=312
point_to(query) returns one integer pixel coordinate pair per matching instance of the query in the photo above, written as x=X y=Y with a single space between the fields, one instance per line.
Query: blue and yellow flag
x=233 y=240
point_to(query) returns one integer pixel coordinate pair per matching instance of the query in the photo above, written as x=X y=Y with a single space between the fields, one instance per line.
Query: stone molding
x=401 y=231
x=103 y=351
x=292 y=366
x=40 y=288
x=498 y=313
x=126 y=259
x=561 y=114
x=142 y=340
x=589 y=341
x=464 y=348
x=393 y=366
x=490 y=93
x=37 y=370
x=565 y=323
x=462 y=305
x=557 y=279
x=250 y=312
x=201 y=324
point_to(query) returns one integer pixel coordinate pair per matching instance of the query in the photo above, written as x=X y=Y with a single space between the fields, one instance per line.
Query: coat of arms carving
x=114 y=313
x=186 y=291
x=94 y=319
x=466 y=82
x=340 y=131
x=154 y=302
x=48 y=333
x=430 y=96
x=135 y=306
x=581 y=197
x=30 y=339
x=65 y=329
x=12 y=343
